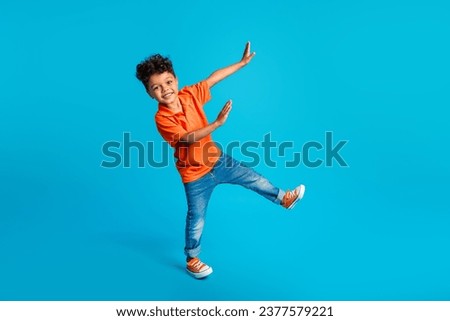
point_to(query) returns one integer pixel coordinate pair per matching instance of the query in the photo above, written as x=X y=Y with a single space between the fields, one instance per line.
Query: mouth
x=165 y=96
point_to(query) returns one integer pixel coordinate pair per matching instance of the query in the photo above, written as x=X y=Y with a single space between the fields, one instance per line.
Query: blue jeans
x=227 y=170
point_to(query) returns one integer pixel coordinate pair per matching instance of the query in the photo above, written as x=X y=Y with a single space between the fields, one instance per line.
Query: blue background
x=375 y=73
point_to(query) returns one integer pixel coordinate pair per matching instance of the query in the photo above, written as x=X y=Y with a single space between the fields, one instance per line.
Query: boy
x=181 y=121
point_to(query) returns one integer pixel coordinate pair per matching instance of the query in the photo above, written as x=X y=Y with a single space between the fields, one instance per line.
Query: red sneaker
x=292 y=197
x=198 y=269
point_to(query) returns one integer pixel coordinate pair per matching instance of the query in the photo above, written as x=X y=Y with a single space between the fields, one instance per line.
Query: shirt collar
x=163 y=110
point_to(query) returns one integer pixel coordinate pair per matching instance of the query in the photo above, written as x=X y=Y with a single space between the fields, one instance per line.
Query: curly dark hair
x=155 y=64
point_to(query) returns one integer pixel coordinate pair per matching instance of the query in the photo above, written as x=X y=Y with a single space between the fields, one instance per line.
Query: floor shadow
x=152 y=245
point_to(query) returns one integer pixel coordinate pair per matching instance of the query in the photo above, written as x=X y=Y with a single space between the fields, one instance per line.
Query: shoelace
x=197 y=264
x=290 y=195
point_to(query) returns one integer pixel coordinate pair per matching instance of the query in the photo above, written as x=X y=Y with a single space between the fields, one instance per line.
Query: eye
x=154 y=88
x=169 y=82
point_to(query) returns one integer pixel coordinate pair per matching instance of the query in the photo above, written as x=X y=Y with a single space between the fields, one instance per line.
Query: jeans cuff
x=192 y=252
x=280 y=196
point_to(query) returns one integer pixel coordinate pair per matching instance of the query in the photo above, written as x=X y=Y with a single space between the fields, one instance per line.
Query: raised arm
x=221 y=74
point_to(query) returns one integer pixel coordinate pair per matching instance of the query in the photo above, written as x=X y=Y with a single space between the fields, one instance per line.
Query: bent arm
x=196 y=135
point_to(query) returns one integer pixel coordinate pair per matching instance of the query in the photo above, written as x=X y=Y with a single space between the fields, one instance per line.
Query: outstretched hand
x=247 y=56
x=223 y=115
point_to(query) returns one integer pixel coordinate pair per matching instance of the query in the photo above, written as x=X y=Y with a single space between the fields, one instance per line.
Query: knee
x=196 y=213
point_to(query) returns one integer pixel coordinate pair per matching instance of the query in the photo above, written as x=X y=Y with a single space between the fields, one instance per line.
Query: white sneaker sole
x=202 y=274
x=301 y=191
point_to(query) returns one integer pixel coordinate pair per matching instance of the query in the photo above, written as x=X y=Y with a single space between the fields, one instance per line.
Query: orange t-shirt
x=197 y=159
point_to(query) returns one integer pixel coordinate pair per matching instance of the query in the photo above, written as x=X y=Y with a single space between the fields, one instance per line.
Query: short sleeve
x=201 y=92
x=169 y=129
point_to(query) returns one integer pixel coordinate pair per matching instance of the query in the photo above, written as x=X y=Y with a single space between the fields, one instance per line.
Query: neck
x=175 y=106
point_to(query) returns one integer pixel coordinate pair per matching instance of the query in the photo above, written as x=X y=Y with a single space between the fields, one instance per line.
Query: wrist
x=242 y=64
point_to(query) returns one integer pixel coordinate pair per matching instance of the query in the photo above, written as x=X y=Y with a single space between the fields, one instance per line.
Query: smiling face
x=164 y=88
